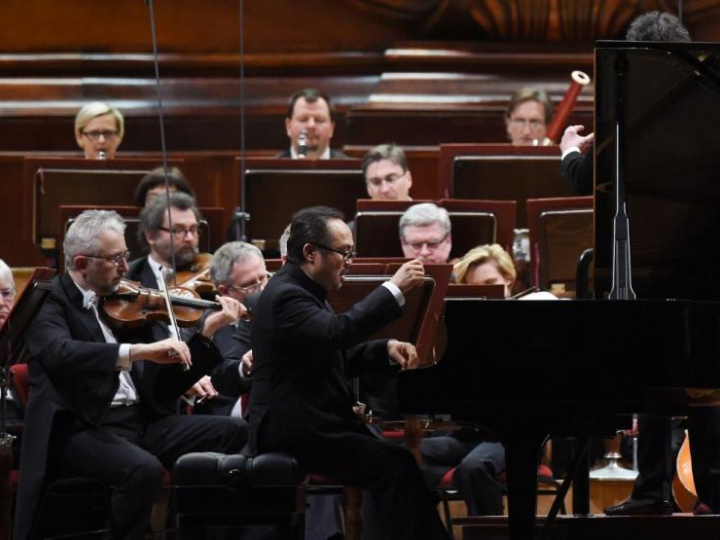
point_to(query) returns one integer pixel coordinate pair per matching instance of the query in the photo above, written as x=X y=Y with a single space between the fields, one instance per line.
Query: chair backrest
x=20 y=381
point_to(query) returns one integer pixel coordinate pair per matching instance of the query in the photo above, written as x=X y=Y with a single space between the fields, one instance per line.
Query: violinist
x=101 y=398
x=155 y=232
x=238 y=271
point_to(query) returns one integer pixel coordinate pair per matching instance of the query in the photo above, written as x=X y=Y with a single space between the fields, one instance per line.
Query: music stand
x=274 y=189
x=502 y=172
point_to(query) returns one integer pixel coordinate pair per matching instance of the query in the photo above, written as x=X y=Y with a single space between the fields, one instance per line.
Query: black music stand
x=274 y=189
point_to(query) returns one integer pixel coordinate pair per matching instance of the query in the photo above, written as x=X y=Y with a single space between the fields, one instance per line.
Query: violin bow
x=163 y=146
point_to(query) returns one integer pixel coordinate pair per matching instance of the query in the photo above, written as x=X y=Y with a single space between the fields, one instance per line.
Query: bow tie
x=89 y=299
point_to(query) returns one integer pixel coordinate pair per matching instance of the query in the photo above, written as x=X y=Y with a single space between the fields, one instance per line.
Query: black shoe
x=640 y=507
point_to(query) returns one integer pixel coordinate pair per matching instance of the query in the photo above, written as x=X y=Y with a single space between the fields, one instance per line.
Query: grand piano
x=534 y=369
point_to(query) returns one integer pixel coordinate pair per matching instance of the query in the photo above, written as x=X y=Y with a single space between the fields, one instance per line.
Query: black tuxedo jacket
x=73 y=380
x=334 y=154
x=577 y=169
x=303 y=353
x=139 y=270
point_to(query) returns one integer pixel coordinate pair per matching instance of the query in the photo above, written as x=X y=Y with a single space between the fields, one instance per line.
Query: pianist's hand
x=403 y=354
x=572 y=137
x=409 y=276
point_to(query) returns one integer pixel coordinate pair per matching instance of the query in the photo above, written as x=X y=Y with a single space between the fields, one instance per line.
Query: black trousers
x=658 y=445
x=386 y=471
x=130 y=454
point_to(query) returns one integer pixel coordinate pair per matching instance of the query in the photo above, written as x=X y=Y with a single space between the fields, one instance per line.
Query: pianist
x=300 y=402
x=99 y=130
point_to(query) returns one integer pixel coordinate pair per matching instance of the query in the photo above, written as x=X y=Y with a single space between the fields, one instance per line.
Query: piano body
x=532 y=369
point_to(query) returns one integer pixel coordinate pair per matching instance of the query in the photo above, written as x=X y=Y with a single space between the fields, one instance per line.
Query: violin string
x=163 y=146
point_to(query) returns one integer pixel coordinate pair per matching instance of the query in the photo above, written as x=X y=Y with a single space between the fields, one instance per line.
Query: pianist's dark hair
x=311 y=95
x=657 y=26
x=309 y=226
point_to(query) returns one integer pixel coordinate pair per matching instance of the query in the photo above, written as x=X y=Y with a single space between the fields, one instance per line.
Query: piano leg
x=581 y=480
x=522 y=455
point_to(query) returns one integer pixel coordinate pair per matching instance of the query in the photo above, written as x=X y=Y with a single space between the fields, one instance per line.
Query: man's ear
x=309 y=253
x=223 y=290
x=80 y=262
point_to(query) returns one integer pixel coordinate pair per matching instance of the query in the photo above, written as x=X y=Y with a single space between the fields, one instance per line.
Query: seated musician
x=527 y=117
x=99 y=130
x=153 y=184
x=486 y=265
x=425 y=233
x=386 y=172
x=7 y=301
x=7 y=292
x=237 y=270
x=300 y=400
x=101 y=397
x=577 y=149
x=310 y=123
x=154 y=233
x=478 y=459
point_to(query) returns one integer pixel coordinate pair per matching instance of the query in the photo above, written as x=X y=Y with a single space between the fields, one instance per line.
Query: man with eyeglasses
x=386 y=172
x=102 y=399
x=528 y=114
x=99 y=130
x=238 y=271
x=425 y=233
x=300 y=400
x=7 y=292
x=161 y=240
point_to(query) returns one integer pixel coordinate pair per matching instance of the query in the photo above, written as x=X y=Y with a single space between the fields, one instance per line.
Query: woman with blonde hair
x=489 y=264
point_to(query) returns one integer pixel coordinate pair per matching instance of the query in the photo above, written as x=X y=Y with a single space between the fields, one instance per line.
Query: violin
x=133 y=305
x=197 y=276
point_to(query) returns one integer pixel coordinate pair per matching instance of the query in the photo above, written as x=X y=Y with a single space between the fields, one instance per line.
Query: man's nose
x=425 y=250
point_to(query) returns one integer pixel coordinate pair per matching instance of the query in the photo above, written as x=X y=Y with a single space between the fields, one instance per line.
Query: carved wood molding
x=533 y=20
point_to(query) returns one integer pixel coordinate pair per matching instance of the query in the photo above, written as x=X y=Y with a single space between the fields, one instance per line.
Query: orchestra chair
x=59 y=512
x=560 y=229
x=218 y=490
x=547 y=485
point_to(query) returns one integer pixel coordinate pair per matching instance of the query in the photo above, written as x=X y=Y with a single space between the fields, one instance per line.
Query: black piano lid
x=672 y=165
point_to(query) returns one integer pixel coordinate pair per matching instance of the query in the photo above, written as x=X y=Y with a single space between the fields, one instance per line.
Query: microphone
x=302 y=145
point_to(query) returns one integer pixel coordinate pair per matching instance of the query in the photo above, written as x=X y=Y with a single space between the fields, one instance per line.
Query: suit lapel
x=86 y=317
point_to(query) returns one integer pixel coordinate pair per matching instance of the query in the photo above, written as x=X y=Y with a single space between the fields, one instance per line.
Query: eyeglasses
x=180 y=232
x=390 y=179
x=253 y=287
x=431 y=245
x=114 y=259
x=347 y=255
x=107 y=134
x=520 y=123
x=7 y=294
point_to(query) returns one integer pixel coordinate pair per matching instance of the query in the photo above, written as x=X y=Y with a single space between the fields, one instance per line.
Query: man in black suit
x=310 y=124
x=300 y=399
x=238 y=271
x=101 y=400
